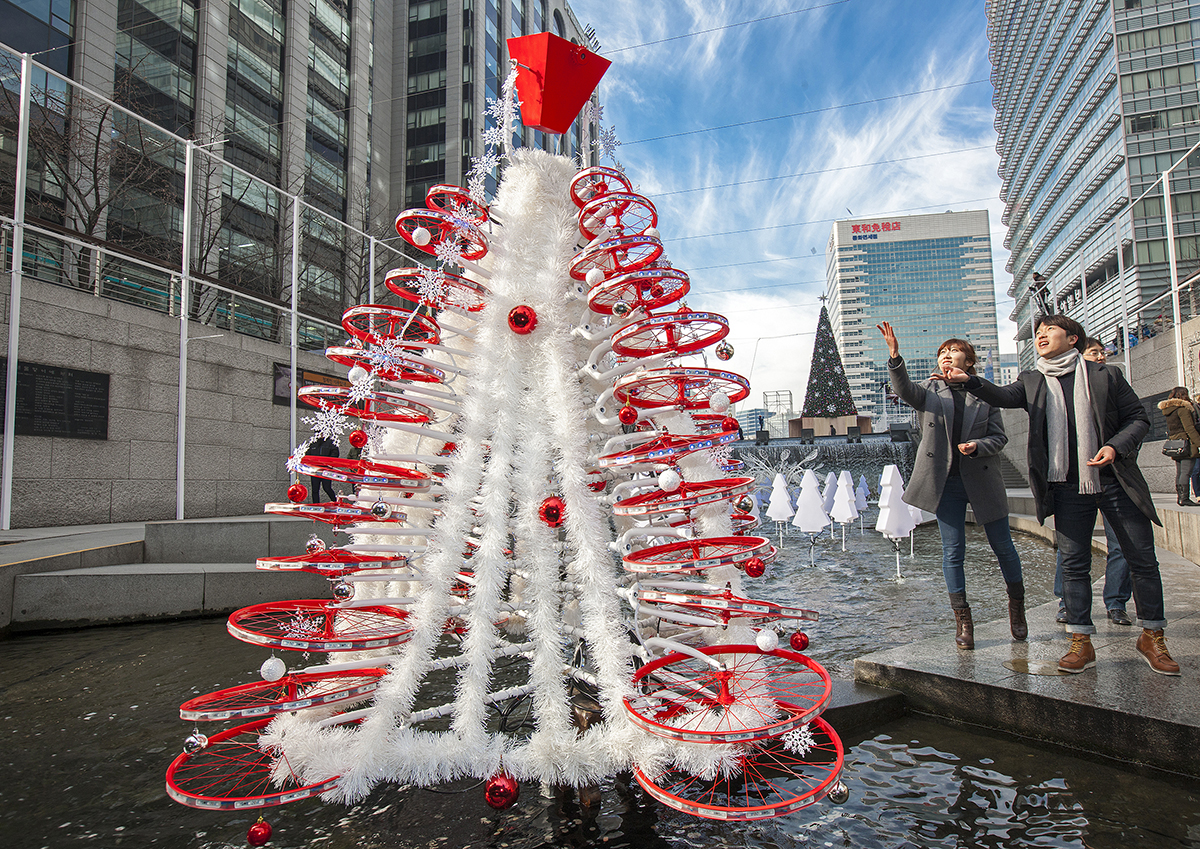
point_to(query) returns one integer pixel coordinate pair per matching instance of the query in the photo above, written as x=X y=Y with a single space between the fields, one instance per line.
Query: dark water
x=89 y=722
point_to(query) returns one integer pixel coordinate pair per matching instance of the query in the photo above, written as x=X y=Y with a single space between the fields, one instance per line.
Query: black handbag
x=1177 y=449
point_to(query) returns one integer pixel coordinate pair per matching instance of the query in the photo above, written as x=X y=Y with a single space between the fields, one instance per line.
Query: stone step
x=147 y=591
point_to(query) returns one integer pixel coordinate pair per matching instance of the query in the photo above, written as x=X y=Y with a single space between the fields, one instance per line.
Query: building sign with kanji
x=873 y=229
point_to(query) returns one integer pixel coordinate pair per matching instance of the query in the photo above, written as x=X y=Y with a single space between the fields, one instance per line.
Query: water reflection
x=90 y=721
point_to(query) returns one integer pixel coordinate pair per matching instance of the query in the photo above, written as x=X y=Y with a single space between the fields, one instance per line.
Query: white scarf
x=1088 y=441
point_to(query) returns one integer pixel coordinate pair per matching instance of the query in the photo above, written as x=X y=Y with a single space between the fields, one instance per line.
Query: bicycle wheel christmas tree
x=540 y=408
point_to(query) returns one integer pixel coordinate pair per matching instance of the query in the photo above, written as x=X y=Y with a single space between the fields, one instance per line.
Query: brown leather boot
x=964 y=637
x=1154 y=648
x=1079 y=656
x=1016 y=618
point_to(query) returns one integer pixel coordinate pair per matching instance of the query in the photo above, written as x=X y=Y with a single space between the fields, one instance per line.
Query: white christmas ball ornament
x=719 y=402
x=767 y=639
x=357 y=373
x=594 y=277
x=652 y=232
x=420 y=236
x=669 y=480
x=272 y=669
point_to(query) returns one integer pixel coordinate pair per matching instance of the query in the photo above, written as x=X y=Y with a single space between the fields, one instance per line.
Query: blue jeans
x=1074 y=520
x=1117 y=585
x=952 y=522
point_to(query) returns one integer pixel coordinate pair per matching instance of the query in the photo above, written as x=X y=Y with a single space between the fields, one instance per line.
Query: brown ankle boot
x=1154 y=648
x=1016 y=618
x=964 y=637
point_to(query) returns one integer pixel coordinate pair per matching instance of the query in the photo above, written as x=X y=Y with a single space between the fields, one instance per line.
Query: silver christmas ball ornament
x=272 y=669
x=195 y=742
x=343 y=591
x=724 y=351
x=381 y=510
x=621 y=309
x=839 y=793
x=314 y=544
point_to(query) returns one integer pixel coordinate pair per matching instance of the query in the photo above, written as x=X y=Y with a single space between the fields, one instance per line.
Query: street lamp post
x=1173 y=263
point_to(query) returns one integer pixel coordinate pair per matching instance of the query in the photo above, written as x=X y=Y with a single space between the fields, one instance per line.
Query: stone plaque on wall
x=58 y=401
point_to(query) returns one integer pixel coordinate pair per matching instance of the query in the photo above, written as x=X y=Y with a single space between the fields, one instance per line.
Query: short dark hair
x=1093 y=342
x=1070 y=325
x=964 y=346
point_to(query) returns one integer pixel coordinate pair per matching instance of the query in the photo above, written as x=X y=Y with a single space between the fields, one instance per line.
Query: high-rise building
x=356 y=106
x=929 y=275
x=1094 y=100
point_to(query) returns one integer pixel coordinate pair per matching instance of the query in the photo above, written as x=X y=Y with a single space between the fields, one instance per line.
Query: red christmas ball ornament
x=755 y=567
x=448 y=449
x=799 y=641
x=522 y=319
x=729 y=424
x=627 y=415
x=657 y=290
x=297 y=492
x=553 y=511
x=259 y=833
x=502 y=791
x=358 y=438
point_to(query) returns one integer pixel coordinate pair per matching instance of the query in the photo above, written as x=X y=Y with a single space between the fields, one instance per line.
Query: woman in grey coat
x=959 y=437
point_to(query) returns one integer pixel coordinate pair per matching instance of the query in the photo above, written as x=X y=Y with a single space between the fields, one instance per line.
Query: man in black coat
x=1085 y=426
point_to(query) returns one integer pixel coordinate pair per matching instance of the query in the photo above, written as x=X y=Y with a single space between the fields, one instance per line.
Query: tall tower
x=929 y=275
x=1093 y=102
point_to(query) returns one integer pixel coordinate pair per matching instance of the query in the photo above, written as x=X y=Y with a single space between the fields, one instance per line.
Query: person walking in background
x=1085 y=426
x=959 y=435
x=323 y=447
x=1117 y=586
x=1179 y=413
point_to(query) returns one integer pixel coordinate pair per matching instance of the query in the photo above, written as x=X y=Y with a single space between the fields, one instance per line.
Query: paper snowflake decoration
x=608 y=143
x=449 y=252
x=594 y=111
x=721 y=455
x=432 y=285
x=799 y=740
x=362 y=389
x=294 y=461
x=328 y=422
x=386 y=355
x=493 y=136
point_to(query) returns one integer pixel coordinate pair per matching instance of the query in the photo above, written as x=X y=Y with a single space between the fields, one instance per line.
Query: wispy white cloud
x=863 y=50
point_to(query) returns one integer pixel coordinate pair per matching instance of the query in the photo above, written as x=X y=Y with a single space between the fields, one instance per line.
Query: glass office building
x=1094 y=100
x=929 y=275
x=358 y=106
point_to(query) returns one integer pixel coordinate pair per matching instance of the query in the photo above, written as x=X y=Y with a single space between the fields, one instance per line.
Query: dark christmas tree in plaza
x=828 y=392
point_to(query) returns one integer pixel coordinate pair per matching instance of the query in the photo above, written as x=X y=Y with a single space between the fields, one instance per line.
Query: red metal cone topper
x=554 y=79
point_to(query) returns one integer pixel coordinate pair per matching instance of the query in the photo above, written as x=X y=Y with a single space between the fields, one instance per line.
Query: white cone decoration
x=844 y=509
x=861 y=493
x=779 y=506
x=810 y=511
x=827 y=495
x=895 y=519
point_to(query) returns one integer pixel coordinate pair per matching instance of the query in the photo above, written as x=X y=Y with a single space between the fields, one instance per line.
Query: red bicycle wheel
x=744 y=523
x=331 y=512
x=378 y=406
x=693 y=555
x=667 y=448
x=672 y=333
x=690 y=495
x=624 y=213
x=291 y=692
x=648 y=289
x=773 y=781
x=747 y=694
x=331 y=562
x=722 y=604
x=595 y=181
x=312 y=625
x=683 y=388
x=364 y=472
x=458 y=293
x=399 y=370
x=373 y=323
x=232 y=773
x=456 y=201
x=617 y=256
x=442 y=227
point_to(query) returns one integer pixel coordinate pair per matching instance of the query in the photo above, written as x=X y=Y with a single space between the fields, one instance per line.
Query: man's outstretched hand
x=951 y=375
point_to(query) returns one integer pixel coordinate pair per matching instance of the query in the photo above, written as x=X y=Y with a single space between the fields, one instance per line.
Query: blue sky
x=878 y=146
